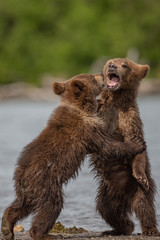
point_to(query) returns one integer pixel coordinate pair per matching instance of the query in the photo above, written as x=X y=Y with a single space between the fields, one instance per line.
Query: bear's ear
x=144 y=69
x=77 y=87
x=99 y=76
x=58 y=87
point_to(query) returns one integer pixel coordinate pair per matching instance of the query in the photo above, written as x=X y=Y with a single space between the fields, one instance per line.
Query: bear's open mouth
x=113 y=81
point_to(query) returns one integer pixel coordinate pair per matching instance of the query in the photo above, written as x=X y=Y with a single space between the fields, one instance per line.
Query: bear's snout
x=112 y=66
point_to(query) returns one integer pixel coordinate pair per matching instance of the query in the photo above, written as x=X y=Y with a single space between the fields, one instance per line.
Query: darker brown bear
x=55 y=156
x=128 y=186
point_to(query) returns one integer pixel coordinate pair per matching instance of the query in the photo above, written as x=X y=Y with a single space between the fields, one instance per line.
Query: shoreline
x=86 y=236
x=44 y=93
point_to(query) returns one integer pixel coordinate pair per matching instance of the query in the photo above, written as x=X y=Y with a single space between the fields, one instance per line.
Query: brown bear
x=55 y=156
x=125 y=186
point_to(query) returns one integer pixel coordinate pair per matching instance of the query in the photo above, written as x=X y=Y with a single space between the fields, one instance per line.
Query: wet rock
x=60 y=228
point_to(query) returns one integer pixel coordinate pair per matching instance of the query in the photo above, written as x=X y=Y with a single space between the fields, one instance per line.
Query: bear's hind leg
x=45 y=217
x=7 y=229
x=12 y=214
x=120 y=223
x=143 y=205
x=113 y=211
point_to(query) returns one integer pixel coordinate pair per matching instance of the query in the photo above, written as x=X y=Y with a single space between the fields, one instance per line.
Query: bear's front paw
x=139 y=144
x=110 y=233
x=142 y=179
x=151 y=232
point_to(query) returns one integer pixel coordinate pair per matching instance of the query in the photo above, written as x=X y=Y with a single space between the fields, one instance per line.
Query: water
x=21 y=121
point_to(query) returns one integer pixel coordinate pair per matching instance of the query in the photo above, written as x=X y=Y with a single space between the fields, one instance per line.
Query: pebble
x=18 y=228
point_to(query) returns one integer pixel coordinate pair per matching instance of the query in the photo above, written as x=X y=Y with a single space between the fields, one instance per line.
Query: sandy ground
x=86 y=236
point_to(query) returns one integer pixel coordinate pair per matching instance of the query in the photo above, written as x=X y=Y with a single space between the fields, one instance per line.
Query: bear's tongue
x=112 y=81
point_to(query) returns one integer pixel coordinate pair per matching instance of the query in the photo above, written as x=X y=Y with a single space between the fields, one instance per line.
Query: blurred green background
x=68 y=37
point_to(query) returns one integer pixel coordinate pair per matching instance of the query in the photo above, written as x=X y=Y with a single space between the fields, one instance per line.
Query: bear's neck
x=89 y=107
x=122 y=98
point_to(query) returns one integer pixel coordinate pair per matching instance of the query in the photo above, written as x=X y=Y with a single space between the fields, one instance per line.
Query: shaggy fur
x=55 y=156
x=128 y=186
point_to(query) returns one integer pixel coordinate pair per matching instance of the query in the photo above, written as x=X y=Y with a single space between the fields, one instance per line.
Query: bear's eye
x=124 y=66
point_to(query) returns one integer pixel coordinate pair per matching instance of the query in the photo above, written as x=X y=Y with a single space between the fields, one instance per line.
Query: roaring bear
x=49 y=161
x=126 y=186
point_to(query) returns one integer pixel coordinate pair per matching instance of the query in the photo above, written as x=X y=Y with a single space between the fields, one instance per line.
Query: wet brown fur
x=128 y=187
x=55 y=156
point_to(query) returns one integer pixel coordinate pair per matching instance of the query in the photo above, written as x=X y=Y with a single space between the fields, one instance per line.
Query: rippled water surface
x=21 y=121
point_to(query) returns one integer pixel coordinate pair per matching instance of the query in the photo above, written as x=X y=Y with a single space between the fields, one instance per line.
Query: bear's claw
x=144 y=182
x=110 y=233
x=151 y=232
x=6 y=232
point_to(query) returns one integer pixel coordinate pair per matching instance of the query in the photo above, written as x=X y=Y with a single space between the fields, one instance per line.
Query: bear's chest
x=117 y=122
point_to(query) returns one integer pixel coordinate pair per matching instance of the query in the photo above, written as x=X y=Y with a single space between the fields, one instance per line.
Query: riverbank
x=86 y=236
x=44 y=93
x=59 y=231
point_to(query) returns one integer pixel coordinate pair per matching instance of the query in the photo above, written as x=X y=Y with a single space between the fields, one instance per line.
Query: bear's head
x=80 y=90
x=122 y=73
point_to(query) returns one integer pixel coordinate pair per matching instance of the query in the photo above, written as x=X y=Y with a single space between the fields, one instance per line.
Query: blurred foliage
x=64 y=38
